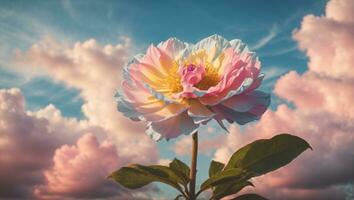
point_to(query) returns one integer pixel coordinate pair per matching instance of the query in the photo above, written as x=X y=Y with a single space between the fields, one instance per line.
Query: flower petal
x=158 y=59
x=143 y=75
x=153 y=134
x=140 y=98
x=218 y=119
x=245 y=112
x=199 y=112
x=240 y=47
x=233 y=116
x=256 y=83
x=213 y=45
x=173 y=47
x=221 y=93
x=126 y=108
x=169 y=111
x=152 y=107
x=173 y=127
x=245 y=102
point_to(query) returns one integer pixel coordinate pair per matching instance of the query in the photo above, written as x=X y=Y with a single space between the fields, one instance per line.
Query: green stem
x=193 y=171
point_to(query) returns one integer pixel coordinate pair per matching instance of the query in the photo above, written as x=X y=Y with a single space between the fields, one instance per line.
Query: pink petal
x=174 y=127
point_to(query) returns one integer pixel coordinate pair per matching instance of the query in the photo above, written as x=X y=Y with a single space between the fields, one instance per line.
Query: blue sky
x=266 y=26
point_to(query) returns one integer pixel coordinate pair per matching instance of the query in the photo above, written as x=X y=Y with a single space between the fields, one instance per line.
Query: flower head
x=177 y=86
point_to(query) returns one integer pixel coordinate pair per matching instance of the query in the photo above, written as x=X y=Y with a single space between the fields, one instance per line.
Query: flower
x=177 y=86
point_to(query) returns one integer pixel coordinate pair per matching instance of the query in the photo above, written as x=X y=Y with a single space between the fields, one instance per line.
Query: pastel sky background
x=61 y=61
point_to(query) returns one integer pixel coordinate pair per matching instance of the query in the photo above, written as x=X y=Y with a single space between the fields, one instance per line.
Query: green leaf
x=181 y=170
x=222 y=177
x=215 y=167
x=131 y=178
x=136 y=176
x=263 y=156
x=233 y=187
x=250 y=197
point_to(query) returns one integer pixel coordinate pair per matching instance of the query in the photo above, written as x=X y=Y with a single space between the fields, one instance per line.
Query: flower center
x=191 y=74
x=190 y=68
x=210 y=79
x=200 y=76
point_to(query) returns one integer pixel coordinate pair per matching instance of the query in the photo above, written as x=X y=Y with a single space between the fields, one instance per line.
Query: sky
x=61 y=62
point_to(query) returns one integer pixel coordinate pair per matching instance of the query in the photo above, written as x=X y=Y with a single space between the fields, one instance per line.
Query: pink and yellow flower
x=177 y=86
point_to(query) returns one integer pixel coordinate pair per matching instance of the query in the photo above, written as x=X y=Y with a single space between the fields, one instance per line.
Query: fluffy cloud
x=323 y=112
x=79 y=171
x=207 y=143
x=45 y=155
x=27 y=143
x=328 y=40
x=330 y=164
x=95 y=71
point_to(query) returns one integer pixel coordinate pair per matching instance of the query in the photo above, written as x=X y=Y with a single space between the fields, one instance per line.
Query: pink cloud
x=40 y=142
x=328 y=40
x=27 y=144
x=315 y=92
x=330 y=164
x=95 y=70
x=79 y=171
x=207 y=144
x=323 y=113
x=39 y=158
x=340 y=10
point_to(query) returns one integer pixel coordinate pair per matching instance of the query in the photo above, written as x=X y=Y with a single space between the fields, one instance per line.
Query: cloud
x=274 y=72
x=27 y=143
x=46 y=156
x=332 y=156
x=323 y=113
x=278 y=52
x=76 y=172
x=333 y=95
x=94 y=70
x=330 y=54
x=207 y=145
x=164 y=162
x=273 y=32
x=42 y=142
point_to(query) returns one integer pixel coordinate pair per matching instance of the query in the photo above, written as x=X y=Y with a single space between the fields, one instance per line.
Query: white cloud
x=273 y=32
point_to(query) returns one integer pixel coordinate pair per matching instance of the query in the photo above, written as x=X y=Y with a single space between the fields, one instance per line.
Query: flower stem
x=193 y=171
